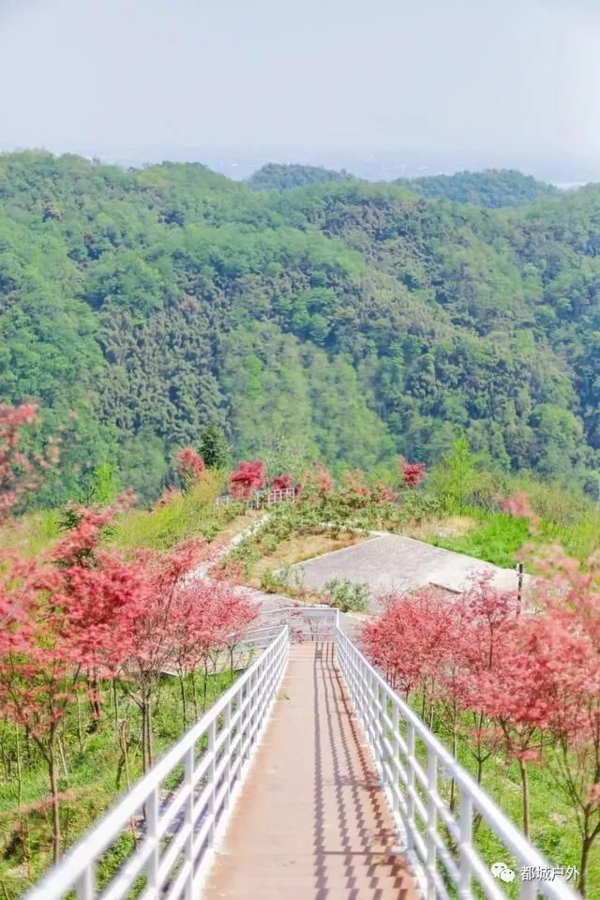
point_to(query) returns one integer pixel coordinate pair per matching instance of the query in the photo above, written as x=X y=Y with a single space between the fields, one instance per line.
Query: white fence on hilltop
x=260 y=499
x=178 y=809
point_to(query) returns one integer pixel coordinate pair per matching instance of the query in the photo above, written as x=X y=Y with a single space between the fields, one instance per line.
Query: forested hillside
x=493 y=188
x=352 y=321
x=282 y=177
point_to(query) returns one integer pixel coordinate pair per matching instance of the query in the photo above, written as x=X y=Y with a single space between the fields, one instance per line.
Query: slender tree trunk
x=454 y=751
x=63 y=758
x=479 y=770
x=55 y=806
x=183 y=702
x=19 y=769
x=586 y=846
x=205 y=686
x=115 y=702
x=525 y=793
x=144 y=736
x=149 y=732
x=5 y=758
x=79 y=724
x=585 y=855
x=94 y=702
x=195 y=693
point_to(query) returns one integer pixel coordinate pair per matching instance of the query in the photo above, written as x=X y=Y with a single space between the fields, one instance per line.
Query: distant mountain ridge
x=492 y=188
x=352 y=321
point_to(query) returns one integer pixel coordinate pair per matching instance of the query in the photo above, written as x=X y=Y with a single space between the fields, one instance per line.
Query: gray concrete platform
x=395 y=563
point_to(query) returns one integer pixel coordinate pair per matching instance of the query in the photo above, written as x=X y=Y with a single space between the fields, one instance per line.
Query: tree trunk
x=195 y=695
x=149 y=731
x=205 y=686
x=79 y=724
x=479 y=770
x=144 y=736
x=525 y=793
x=19 y=769
x=63 y=758
x=586 y=846
x=183 y=702
x=55 y=806
x=94 y=702
x=454 y=751
x=115 y=702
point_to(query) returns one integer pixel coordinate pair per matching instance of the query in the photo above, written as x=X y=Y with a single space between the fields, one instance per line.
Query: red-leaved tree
x=246 y=479
x=20 y=473
x=207 y=618
x=64 y=618
x=412 y=473
x=190 y=466
x=282 y=482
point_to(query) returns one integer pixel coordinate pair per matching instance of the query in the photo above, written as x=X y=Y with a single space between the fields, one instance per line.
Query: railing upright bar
x=432 y=772
x=188 y=779
x=466 y=839
x=85 y=889
x=152 y=814
x=228 y=752
x=410 y=788
x=396 y=749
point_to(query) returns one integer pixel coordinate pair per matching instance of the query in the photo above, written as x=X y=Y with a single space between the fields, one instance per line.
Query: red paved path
x=311 y=821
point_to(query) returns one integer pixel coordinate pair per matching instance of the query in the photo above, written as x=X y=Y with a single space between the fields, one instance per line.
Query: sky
x=519 y=77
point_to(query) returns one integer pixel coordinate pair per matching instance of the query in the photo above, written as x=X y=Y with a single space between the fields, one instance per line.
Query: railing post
x=152 y=810
x=410 y=786
x=212 y=734
x=189 y=820
x=393 y=768
x=380 y=694
x=85 y=885
x=431 y=822
x=528 y=890
x=466 y=837
x=228 y=752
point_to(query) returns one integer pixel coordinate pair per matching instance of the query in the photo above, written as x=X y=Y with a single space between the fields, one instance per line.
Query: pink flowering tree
x=412 y=473
x=248 y=478
x=190 y=467
x=21 y=473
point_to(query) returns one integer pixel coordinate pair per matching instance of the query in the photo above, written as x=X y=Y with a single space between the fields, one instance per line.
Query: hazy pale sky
x=454 y=75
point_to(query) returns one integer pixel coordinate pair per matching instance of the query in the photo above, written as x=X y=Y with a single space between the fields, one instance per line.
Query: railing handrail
x=504 y=829
x=75 y=863
x=372 y=697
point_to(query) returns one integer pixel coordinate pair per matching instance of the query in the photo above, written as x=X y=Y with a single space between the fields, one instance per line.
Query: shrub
x=347 y=595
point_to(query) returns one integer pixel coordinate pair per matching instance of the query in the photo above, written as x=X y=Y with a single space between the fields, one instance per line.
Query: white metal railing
x=413 y=766
x=181 y=804
x=180 y=807
x=259 y=498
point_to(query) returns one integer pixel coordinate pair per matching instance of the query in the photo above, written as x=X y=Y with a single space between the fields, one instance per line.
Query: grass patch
x=182 y=516
x=299 y=548
x=31 y=534
x=493 y=537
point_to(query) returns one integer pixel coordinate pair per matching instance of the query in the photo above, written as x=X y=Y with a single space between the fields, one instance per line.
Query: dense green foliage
x=493 y=188
x=281 y=177
x=356 y=321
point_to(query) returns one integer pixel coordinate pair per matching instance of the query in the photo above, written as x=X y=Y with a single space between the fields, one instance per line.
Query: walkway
x=312 y=821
